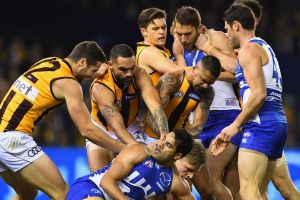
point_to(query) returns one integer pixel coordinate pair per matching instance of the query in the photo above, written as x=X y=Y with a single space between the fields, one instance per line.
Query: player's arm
x=180 y=189
x=71 y=91
x=152 y=100
x=202 y=111
x=155 y=59
x=126 y=160
x=166 y=86
x=216 y=43
x=105 y=99
x=227 y=76
x=251 y=61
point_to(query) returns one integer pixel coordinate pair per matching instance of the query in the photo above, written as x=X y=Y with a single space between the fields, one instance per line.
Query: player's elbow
x=261 y=96
x=87 y=130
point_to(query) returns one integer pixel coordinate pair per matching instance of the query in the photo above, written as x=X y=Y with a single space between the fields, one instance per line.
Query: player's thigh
x=19 y=184
x=43 y=174
x=281 y=175
x=93 y=198
x=202 y=180
x=98 y=158
x=268 y=175
x=252 y=166
x=216 y=164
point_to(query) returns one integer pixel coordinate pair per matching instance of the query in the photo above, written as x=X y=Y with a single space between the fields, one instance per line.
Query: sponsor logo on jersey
x=129 y=97
x=25 y=88
x=231 y=102
x=194 y=95
x=165 y=179
x=148 y=163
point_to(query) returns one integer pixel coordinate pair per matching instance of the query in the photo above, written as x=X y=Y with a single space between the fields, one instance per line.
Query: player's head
x=238 y=19
x=172 y=146
x=153 y=26
x=122 y=63
x=192 y=162
x=88 y=57
x=206 y=72
x=187 y=26
x=254 y=5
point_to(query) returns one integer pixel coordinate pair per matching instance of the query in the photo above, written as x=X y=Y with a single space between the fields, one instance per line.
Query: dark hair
x=254 y=5
x=212 y=64
x=184 y=141
x=89 y=50
x=242 y=14
x=148 y=15
x=188 y=15
x=121 y=50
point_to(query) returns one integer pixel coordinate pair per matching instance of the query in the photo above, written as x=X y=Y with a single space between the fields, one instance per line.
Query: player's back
x=31 y=96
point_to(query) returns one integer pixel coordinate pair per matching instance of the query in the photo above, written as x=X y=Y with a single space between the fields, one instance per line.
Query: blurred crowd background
x=31 y=30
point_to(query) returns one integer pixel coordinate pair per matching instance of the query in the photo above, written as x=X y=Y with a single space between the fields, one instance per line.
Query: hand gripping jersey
x=181 y=104
x=155 y=75
x=271 y=110
x=145 y=180
x=126 y=100
x=31 y=96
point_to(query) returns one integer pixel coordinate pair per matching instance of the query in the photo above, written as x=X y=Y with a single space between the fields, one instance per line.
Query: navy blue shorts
x=216 y=122
x=82 y=189
x=267 y=138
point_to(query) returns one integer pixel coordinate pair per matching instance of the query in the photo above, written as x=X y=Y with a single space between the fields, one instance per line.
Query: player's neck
x=245 y=37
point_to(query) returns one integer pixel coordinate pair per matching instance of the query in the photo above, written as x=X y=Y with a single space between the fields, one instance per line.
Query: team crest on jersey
x=165 y=179
x=117 y=102
x=148 y=163
x=246 y=136
x=178 y=94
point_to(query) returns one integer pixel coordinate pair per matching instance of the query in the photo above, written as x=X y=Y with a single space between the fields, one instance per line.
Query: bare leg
x=98 y=158
x=283 y=182
x=216 y=165
x=231 y=178
x=203 y=184
x=23 y=189
x=252 y=167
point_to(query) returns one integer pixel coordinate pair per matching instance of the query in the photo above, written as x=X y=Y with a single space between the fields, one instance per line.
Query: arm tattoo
x=161 y=121
x=158 y=122
x=167 y=85
x=109 y=111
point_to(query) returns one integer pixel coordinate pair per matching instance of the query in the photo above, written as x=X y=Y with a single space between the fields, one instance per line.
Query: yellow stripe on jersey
x=155 y=75
x=31 y=97
x=126 y=100
x=181 y=104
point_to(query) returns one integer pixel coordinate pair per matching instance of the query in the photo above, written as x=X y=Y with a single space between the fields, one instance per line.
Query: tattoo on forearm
x=109 y=111
x=152 y=124
x=161 y=121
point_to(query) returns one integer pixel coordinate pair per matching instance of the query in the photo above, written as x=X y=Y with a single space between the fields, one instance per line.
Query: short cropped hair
x=89 y=50
x=254 y=5
x=121 y=50
x=183 y=141
x=211 y=64
x=148 y=15
x=242 y=14
x=197 y=156
x=188 y=15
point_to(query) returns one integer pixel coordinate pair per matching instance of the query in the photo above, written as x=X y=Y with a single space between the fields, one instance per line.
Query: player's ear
x=144 y=32
x=177 y=156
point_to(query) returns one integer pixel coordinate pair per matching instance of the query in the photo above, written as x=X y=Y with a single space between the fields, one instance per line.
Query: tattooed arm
x=105 y=99
x=202 y=111
x=159 y=122
x=167 y=85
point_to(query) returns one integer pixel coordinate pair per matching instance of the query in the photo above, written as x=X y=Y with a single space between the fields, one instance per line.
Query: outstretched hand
x=223 y=139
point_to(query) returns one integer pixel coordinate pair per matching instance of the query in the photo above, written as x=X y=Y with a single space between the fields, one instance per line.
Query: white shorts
x=17 y=150
x=135 y=129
